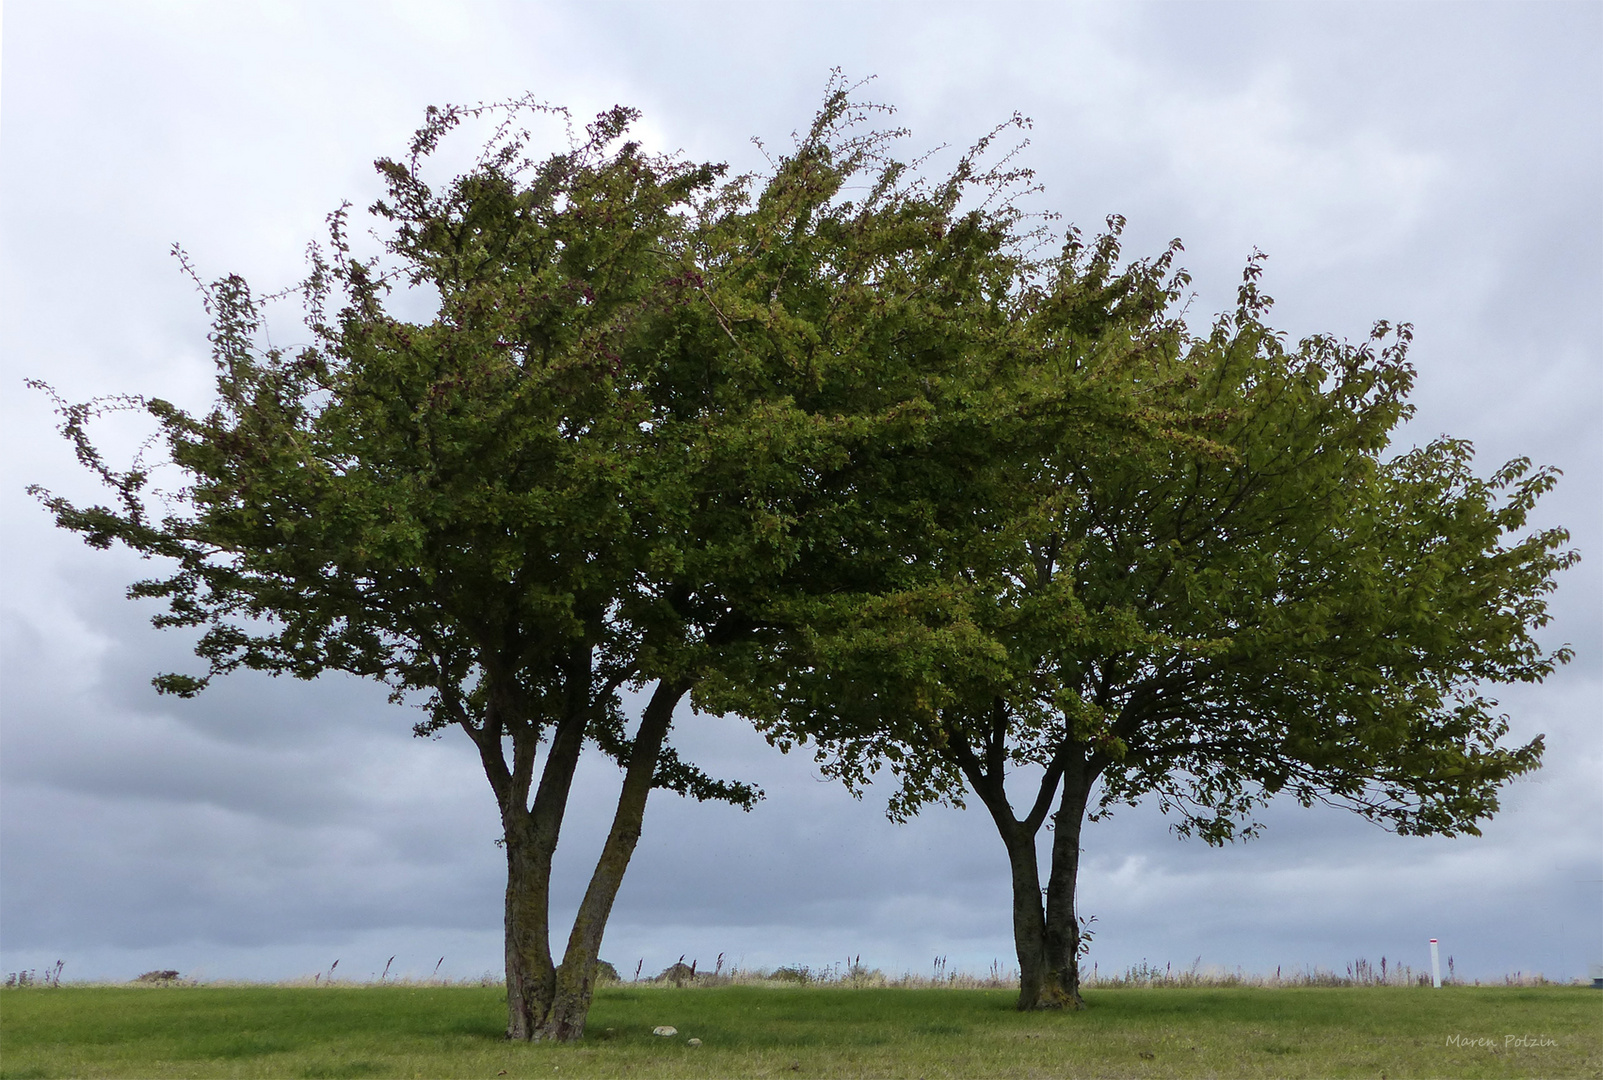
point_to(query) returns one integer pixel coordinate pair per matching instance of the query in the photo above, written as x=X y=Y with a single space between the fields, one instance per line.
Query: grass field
x=433 y=1031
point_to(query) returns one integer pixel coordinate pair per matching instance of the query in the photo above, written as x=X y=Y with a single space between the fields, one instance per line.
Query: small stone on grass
x=665 y=1031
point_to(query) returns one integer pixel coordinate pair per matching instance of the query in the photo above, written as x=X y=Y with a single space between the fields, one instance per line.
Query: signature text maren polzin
x=1509 y=1041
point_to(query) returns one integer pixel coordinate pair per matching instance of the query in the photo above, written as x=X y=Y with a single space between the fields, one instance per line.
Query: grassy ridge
x=754 y=1031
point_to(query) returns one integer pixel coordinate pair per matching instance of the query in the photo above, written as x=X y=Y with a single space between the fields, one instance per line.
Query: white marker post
x=1435 y=965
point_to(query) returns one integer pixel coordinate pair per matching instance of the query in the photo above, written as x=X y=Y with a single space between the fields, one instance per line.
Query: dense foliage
x=1253 y=597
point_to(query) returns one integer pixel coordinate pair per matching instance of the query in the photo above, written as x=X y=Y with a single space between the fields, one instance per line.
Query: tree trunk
x=1029 y=924
x=575 y=979
x=531 y=833
x=1040 y=977
x=1062 y=946
x=530 y=976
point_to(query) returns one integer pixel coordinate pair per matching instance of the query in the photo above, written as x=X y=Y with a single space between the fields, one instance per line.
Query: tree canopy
x=1248 y=596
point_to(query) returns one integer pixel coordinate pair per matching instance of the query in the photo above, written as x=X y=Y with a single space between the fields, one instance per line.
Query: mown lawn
x=422 y=1031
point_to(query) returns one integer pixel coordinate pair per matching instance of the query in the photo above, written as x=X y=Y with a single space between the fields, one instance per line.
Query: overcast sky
x=1434 y=163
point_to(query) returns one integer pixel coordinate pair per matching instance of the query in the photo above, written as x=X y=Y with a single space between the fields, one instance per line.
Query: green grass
x=432 y=1031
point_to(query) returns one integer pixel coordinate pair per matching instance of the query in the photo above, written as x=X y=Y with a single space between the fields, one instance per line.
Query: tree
x=463 y=509
x=654 y=406
x=1235 y=594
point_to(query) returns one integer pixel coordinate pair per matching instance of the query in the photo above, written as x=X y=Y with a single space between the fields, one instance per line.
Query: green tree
x=1235 y=594
x=654 y=406
x=469 y=509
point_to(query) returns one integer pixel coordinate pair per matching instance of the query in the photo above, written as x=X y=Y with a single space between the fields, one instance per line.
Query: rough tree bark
x=530 y=977
x=1062 y=944
x=1036 y=990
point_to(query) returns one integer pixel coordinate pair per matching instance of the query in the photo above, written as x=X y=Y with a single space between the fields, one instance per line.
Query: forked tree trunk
x=575 y=979
x=1046 y=936
x=1039 y=986
x=545 y=1001
x=531 y=840
x=1040 y=977
x=531 y=833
